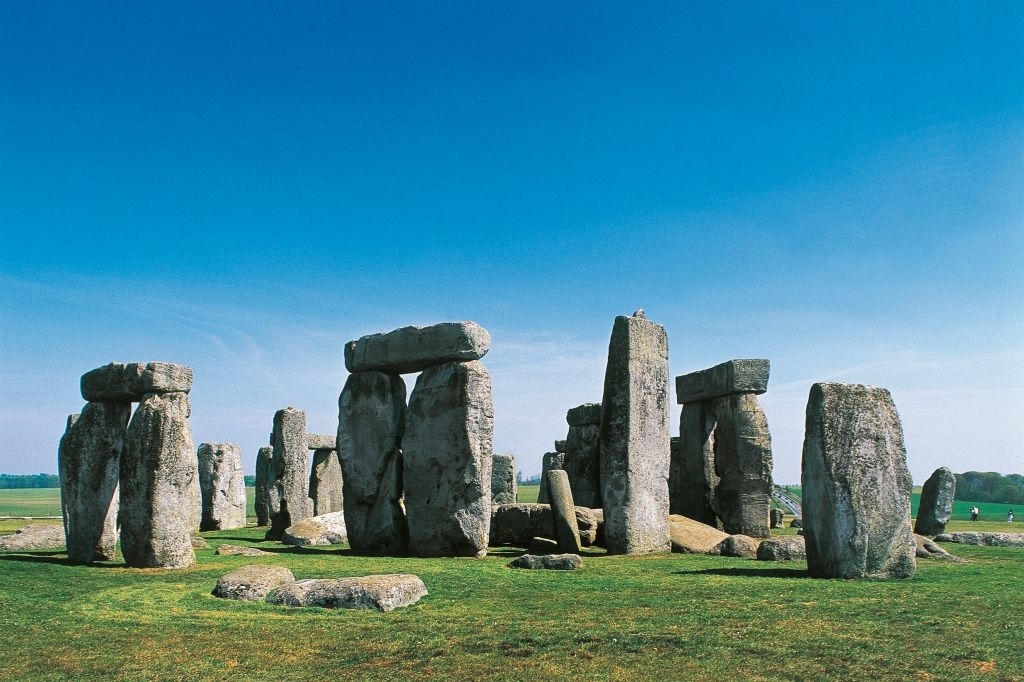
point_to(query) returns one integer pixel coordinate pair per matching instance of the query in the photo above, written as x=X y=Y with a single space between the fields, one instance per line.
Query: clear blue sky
x=243 y=187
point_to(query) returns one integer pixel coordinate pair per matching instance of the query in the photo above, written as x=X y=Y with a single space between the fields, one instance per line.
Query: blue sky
x=244 y=187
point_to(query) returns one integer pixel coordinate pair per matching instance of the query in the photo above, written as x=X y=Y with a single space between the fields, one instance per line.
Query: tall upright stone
x=291 y=470
x=447 y=460
x=582 y=461
x=325 y=482
x=267 y=501
x=549 y=462
x=89 y=460
x=503 y=479
x=635 y=438
x=563 y=509
x=936 y=505
x=856 y=485
x=222 y=484
x=371 y=421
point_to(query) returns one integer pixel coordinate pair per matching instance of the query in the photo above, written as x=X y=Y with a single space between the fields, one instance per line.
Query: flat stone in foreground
x=238 y=550
x=32 y=537
x=555 y=562
x=728 y=378
x=693 y=537
x=252 y=583
x=414 y=349
x=328 y=529
x=375 y=592
x=987 y=539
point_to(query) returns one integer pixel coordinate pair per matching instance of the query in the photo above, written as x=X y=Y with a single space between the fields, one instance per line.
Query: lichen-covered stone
x=33 y=537
x=554 y=562
x=503 y=479
x=936 y=506
x=267 y=501
x=222 y=484
x=291 y=471
x=550 y=461
x=372 y=592
x=328 y=529
x=252 y=583
x=728 y=378
x=321 y=441
x=582 y=461
x=414 y=349
x=121 y=382
x=325 y=482
x=783 y=548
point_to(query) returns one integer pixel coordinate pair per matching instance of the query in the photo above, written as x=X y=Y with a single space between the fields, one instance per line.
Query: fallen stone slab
x=199 y=543
x=693 y=537
x=926 y=548
x=554 y=562
x=129 y=382
x=728 y=378
x=34 y=536
x=742 y=546
x=327 y=529
x=376 y=592
x=413 y=349
x=987 y=539
x=784 y=548
x=252 y=583
x=321 y=441
x=238 y=550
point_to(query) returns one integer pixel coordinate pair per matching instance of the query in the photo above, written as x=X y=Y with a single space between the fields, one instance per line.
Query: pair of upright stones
x=138 y=469
x=417 y=478
x=579 y=455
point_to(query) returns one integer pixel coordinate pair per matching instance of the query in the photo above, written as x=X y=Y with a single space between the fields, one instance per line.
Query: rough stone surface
x=742 y=546
x=414 y=349
x=447 y=461
x=797 y=522
x=503 y=479
x=321 y=441
x=567 y=533
x=582 y=461
x=291 y=470
x=267 y=500
x=926 y=548
x=555 y=562
x=328 y=529
x=550 y=460
x=584 y=415
x=252 y=583
x=325 y=482
x=222 y=484
x=89 y=460
x=121 y=382
x=371 y=422
x=776 y=517
x=591 y=525
x=936 y=505
x=32 y=537
x=238 y=550
x=199 y=543
x=635 y=438
x=688 y=482
x=517 y=524
x=782 y=548
x=160 y=499
x=856 y=485
x=728 y=378
x=693 y=537
x=373 y=592
x=988 y=539
x=559 y=446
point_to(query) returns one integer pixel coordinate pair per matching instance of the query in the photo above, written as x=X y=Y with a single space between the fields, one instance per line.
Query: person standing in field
x=1009 y=516
x=974 y=513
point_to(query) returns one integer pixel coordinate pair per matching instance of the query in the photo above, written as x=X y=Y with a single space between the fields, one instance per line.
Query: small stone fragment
x=782 y=548
x=373 y=592
x=555 y=562
x=238 y=550
x=252 y=583
x=742 y=546
x=328 y=529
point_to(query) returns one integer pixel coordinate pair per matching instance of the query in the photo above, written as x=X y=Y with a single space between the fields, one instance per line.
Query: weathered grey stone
x=199 y=543
x=936 y=506
x=291 y=471
x=728 y=378
x=783 y=548
x=237 y=550
x=325 y=482
x=987 y=539
x=160 y=499
x=267 y=501
x=742 y=546
x=222 y=484
x=559 y=446
x=797 y=522
x=591 y=525
x=328 y=529
x=120 y=382
x=89 y=460
x=517 y=524
x=584 y=415
x=252 y=583
x=582 y=461
x=635 y=438
x=414 y=349
x=447 y=461
x=926 y=548
x=371 y=421
x=372 y=592
x=693 y=537
x=687 y=480
x=776 y=517
x=321 y=441
x=555 y=562
x=856 y=485
x=503 y=479
x=567 y=533
x=32 y=537
x=550 y=460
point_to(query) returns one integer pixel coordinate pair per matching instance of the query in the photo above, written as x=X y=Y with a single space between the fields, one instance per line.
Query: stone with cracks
x=693 y=537
x=160 y=499
x=503 y=479
x=372 y=592
x=371 y=421
x=447 y=461
x=635 y=438
x=936 y=505
x=567 y=533
x=291 y=470
x=856 y=485
x=688 y=481
x=555 y=562
x=89 y=460
x=549 y=462
x=582 y=454
x=222 y=484
x=121 y=382
x=252 y=583
x=728 y=378
x=321 y=441
x=267 y=500
x=742 y=546
x=328 y=529
x=325 y=484
x=783 y=548
x=414 y=349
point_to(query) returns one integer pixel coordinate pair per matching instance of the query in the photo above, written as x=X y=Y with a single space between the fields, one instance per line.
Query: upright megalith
x=222 y=484
x=267 y=501
x=723 y=462
x=634 y=440
x=371 y=421
x=567 y=531
x=582 y=460
x=89 y=460
x=414 y=349
x=291 y=470
x=447 y=460
x=325 y=482
x=503 y=479
x=856 y=485
x=549 y=462
x=936 y=506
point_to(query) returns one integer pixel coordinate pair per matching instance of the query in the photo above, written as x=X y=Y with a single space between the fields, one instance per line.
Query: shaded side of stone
x=936 y=506
x=582 y=460
x=267 y=501
x=325 y=482
x=728 y=378
x=503 y=479
x=291 y=469
x=413 y=349
x=567 y=533
x=550 y=461
x=222 y=484
x=688 y=481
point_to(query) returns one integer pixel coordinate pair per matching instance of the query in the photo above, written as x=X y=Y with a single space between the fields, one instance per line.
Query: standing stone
x=448 y=460
x=325 y=486
x=371 y=421
x=291 y=469
x=688 y=481
x=635 y=438
x=160 y=500
x=267 y=500
x=856 y=485
x=776 y=517
x=549 y=462
x=222 y=484
x=936 y=506
x=582 y=454
x=88 y=459
x=503 y=479
x=567 y=532
x=413 y=349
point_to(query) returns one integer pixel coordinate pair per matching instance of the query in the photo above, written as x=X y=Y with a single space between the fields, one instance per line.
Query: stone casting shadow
x=57 y=558
x=751 y=572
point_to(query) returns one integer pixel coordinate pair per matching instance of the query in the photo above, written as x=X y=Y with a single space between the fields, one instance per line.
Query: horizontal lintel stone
x=414 y=349
x=581 y=415
x=322 y=441
x=728 y=378
x=119 y=382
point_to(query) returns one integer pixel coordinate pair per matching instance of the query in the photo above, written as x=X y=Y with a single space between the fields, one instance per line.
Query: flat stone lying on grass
x=377 y=592
x=252 y=583
x=34 y=536
x=555 y=562
x=327 y=529
x=926 y=548
x=199 y=543
x=785 y=548
x=238 y=550
x=989 y=539
x=742 y=546
x=693 y=537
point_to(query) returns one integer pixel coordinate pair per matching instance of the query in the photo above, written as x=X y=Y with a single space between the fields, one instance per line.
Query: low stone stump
x=376 y=592
x=554 y=562
x=775 y=517
x=987 y=539
x=252 y=583
x=34 y=536
x=199 y=543
x=327 y=529
x=785 y=548
x=926 y=548
x=237 y=550
x=742 y=546
x=693 y=537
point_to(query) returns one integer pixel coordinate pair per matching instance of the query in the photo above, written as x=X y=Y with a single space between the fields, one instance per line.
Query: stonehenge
x=222 y=484
x=267 y=501
x=549 y=462
x=503 y=479
x=936 y=506
x=325 y=482
x=582 y=460
x=290 y=470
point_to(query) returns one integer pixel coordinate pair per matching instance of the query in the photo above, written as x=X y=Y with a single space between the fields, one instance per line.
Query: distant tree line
x=12 y=481
x=988 y=486
x=522 y=480
x=250 y=481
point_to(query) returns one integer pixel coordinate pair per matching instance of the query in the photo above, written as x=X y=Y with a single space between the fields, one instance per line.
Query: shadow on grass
x=751 y=572
x=55 y=557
